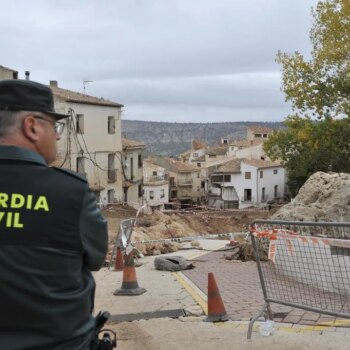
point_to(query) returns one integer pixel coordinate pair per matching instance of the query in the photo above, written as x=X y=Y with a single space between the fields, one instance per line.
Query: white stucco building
x=155 y=185
x=91 y=142
x=242 y=183
x=133 y=174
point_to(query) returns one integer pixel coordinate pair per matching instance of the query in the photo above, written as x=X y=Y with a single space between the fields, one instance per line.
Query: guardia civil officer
x=52 y=235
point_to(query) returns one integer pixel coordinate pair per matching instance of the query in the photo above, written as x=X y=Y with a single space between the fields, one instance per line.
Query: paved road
x=240 y=289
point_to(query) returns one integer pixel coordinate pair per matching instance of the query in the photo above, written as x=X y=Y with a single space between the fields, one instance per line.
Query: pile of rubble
x=323 y=197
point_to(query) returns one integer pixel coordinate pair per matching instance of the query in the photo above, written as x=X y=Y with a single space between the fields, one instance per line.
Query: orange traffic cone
x=216 y=308
x=119 y=263
x=129 y=285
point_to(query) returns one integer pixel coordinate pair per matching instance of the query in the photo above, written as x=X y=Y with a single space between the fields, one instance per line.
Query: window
x=248 y=195
x=227 y=178
x=261 y=174
x=264 y=136
x=162 y=193
x=132 y=168
x=154 y=173
x=110 y=195
x=80 y=124
x=111 y=168
x=151 y=194
x=195 y=155
x=140 y=160
x=225 y=141
x=247 y=175
x=173 y=194
x=257 y=135
x=198 y=165
x=172 y=181
x=111 y=125
x=221 y=178
x=263 y=194
x=140 y=190
x=275 y=171
x=276 y=191
x=81 y=166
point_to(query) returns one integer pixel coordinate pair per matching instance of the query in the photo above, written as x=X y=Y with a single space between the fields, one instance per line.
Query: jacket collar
x=22 y=154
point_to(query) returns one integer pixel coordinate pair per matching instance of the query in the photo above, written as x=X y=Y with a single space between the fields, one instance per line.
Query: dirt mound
x=323 y=197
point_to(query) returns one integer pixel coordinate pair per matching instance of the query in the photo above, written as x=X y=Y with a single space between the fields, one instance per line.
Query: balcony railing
x=154 y=178
x=186 y=182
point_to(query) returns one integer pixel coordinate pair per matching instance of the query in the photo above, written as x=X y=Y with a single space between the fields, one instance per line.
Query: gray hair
x=9 y=121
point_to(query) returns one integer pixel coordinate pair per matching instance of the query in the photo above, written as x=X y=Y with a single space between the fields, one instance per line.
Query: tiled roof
x=196 y=145
x=172 y=164
x=127 y=143
x=259 y=163
x=232 y=166
x=260 y=129
x=216 y=151
x=71 y=96
x=12 y=70
x=183 y=167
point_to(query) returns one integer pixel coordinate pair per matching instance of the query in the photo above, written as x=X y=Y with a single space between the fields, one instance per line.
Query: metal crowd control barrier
x=305 y=265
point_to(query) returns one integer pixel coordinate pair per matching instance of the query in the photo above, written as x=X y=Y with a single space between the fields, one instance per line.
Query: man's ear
x=31 y=129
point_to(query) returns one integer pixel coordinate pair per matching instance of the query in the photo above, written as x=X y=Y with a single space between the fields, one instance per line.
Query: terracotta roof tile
x=260 y=129
x=216 y=151
x=72 y=96
x=232 y=166
x=196 y=145
x=127 y=143
x=259 y=163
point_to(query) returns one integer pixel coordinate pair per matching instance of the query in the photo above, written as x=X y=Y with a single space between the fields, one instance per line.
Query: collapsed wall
x=323 y=197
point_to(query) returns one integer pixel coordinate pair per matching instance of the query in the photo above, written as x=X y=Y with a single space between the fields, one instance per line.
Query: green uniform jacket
x=52 y=235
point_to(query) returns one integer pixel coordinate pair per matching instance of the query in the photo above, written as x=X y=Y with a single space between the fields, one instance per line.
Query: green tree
x=317 y=135
x=321 y=86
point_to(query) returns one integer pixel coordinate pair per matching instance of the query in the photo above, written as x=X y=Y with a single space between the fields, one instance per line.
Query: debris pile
x=244 y=251
x=323 y=197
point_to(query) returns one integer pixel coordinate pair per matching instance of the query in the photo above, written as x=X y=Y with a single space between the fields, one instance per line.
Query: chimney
x=27 y=73
x=53 y=83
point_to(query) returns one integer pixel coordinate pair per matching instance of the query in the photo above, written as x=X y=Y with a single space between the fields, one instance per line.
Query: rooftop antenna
x=85 y=82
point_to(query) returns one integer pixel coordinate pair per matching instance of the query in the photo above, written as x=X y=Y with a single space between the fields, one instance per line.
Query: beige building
x=184 y=180
x=258 y=132
x=155 y=185
x=91 y=143
x=133 y=174
x=8 y=73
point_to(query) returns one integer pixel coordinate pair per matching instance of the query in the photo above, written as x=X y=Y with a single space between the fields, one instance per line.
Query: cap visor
x=58 y=116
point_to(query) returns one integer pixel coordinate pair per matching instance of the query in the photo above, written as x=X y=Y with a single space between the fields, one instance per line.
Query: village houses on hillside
x=184 y=181
x=232 y=174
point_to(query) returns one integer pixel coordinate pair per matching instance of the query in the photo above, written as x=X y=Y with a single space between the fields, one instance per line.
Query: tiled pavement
x=240 y=289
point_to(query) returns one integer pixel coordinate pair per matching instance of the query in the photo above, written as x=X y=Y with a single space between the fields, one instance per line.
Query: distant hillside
x=175 y=138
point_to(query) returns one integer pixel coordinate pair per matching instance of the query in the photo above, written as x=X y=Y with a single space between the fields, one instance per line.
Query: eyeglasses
x=58 y=126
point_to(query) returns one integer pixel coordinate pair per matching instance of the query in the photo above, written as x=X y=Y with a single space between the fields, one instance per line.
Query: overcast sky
x=165 y=60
